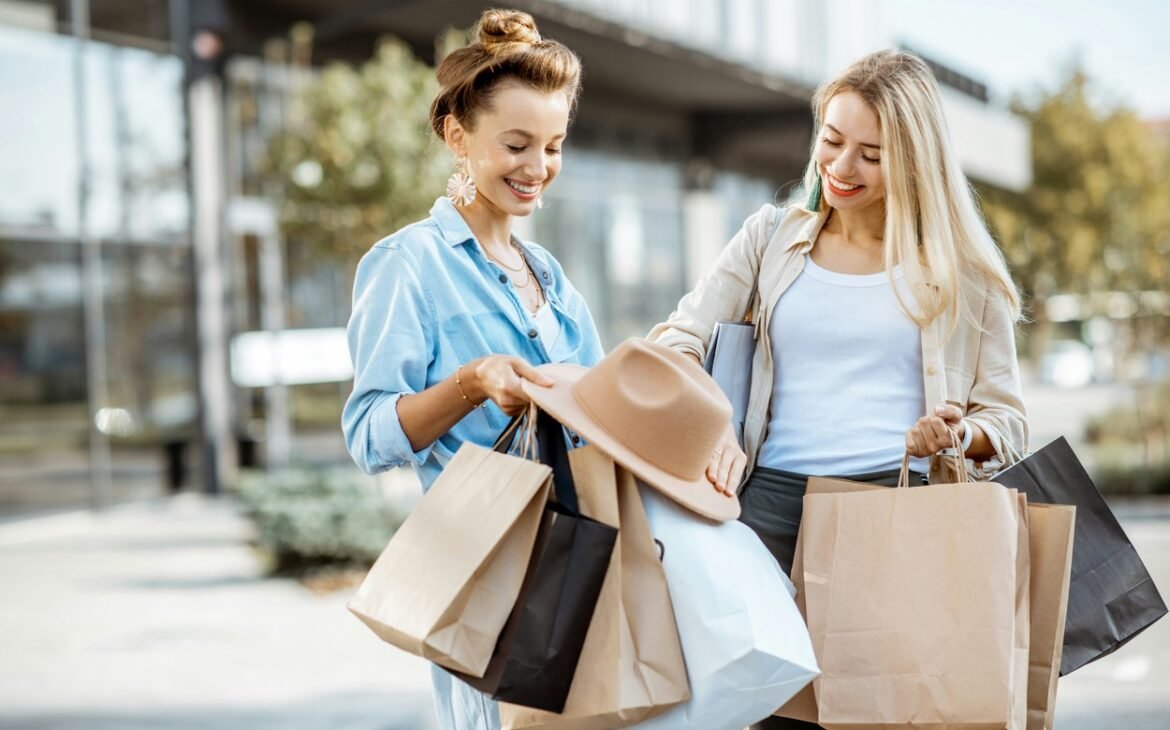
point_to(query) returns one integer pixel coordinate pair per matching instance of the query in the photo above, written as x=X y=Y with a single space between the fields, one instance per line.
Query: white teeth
x=526 y=189
x=840 y=185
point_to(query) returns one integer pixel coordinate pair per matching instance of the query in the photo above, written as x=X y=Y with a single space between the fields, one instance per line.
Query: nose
x=536 y=166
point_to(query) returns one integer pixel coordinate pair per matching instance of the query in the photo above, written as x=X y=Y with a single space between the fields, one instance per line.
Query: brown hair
x=506 y=46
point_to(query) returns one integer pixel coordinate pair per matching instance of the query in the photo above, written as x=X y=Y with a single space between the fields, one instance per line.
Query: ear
x=455 y=136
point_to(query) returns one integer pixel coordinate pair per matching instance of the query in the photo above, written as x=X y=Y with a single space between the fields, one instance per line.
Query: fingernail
x=939 y=410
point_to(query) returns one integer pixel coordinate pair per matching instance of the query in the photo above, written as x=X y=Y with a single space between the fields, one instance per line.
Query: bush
x=313 y=518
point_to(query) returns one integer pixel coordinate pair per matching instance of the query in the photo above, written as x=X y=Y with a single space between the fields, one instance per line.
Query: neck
x=860 y=227
x=491 y=226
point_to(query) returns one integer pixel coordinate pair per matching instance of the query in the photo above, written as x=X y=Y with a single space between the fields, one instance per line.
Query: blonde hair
x=933 y=226
x=506 y=45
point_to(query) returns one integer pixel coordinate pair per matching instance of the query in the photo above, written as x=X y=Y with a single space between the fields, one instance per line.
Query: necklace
x=523 y=262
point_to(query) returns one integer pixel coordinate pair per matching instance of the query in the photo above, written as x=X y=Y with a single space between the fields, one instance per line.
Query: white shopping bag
x=745 y=645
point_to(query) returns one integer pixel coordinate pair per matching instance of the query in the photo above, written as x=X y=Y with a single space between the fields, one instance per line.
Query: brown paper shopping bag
x=631 y=666
x=447 y=581
x=912 y=600
x=1050 y=531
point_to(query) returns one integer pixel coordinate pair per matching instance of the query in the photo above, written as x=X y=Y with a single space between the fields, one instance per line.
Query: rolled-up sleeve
x=391 y=348
x=996 y=403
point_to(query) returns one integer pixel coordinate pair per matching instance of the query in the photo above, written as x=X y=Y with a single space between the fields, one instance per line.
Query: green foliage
x=1097 y=216
x=1132 y=444
x=313 y=517
x=358 y=159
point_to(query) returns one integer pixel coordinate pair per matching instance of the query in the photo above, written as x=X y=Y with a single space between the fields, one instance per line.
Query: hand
x=497 y=377
x=932 y=434
x=727 y=464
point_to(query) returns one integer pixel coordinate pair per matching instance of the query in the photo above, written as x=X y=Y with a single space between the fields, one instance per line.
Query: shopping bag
x=729 y=362
x=936 y=641
x=1111 y=597
x=536 y=657
x=1050 y=533
x=445 y=585
x=745 y=645
x=631 y=665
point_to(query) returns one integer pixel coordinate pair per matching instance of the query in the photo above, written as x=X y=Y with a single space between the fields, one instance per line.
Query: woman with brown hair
x=451 y=313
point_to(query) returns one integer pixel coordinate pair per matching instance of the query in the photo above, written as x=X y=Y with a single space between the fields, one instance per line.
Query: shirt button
x=503 y=278
x=546 y=276
x=576 y=440
x=930 y=370
x=533 y=333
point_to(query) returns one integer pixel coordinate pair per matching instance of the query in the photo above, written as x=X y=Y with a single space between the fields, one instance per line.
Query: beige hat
x=652 y=409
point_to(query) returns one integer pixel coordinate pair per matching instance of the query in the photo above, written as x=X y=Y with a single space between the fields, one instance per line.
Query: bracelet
x=968 y=437
x=459 y=383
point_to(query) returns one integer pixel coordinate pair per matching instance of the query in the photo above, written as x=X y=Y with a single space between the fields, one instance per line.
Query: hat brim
x=698 y=496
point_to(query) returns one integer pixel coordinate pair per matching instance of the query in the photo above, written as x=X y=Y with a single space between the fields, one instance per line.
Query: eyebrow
x=863 y=144
x=527 y=135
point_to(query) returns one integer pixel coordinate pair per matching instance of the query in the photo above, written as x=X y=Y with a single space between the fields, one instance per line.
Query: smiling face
x=848 y=154
x=514 y=150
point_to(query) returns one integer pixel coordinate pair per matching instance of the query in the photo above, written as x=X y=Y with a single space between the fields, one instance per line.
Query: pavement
x=157 y=615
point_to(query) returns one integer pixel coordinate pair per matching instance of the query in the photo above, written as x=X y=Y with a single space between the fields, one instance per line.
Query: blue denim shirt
x=427 y=300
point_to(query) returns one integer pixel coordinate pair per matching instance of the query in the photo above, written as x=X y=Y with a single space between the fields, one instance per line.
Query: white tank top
x=848 y=382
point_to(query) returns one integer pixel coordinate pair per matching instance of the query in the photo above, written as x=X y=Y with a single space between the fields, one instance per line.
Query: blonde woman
x=451 y=313
x=884 y=310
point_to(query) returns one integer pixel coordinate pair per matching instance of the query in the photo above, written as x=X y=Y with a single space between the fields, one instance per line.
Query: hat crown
x=659 y=404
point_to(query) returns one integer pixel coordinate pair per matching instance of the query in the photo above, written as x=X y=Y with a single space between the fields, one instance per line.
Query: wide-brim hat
x=654 y=411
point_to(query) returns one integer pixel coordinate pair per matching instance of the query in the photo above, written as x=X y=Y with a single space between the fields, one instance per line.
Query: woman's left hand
x=726 y=466
x=932 y=434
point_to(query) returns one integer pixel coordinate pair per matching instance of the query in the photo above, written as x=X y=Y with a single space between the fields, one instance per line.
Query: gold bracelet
x=459 y=383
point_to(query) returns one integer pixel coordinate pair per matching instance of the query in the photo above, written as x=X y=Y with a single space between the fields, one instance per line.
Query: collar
x=810 y=224
x=452 y=227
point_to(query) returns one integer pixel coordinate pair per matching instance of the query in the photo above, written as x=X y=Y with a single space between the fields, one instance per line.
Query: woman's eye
x=830 y=142
x=553 y=151
x=870 y=159
x=514 y=148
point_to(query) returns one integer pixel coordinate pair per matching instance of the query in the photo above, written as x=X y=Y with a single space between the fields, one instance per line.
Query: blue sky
x=1023 y=45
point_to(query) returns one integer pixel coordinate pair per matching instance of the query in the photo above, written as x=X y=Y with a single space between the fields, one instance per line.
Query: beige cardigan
x=976 y=368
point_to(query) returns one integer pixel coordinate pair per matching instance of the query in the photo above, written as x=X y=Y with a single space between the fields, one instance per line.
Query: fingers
x=930 y=435
x=529 y=373
x=726 y=466
x=950 y=413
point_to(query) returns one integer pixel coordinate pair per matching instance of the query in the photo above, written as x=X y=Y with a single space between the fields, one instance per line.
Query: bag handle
x=506 y=443
x=550 y=439
x=960 y=463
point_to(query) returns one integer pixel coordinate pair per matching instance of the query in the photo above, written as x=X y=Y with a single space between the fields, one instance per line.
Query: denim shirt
x=427 y=300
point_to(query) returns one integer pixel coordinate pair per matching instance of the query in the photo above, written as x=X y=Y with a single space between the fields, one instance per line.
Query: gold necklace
x=523 y=261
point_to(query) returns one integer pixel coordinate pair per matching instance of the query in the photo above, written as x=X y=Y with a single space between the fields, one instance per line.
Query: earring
x=460 y=187
x=814 y=196
x=540 y=202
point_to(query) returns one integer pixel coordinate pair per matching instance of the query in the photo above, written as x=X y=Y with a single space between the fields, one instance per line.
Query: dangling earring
x=814 y=196
x=460 y=187
x=540 y=202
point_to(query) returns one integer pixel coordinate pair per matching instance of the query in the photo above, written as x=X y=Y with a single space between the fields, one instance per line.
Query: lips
x=524 y=191
x=841 y=188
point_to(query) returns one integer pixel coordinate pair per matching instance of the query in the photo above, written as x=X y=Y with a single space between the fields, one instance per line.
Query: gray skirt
x=771 y=503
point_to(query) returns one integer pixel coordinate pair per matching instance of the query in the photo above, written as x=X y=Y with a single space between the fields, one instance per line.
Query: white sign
x=290 y=357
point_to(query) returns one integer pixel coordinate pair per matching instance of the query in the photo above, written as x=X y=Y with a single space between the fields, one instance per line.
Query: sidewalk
x=158 y=616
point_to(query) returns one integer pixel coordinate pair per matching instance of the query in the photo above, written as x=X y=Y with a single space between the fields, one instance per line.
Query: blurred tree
x=1097 y=217
x=357 y=159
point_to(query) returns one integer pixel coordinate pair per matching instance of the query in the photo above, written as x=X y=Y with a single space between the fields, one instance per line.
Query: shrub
x=312 y=518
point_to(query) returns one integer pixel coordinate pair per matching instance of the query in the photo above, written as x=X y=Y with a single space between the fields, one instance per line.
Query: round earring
x=460 y=187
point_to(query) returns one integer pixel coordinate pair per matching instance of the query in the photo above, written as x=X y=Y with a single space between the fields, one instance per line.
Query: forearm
x=427 y=415
x=981 y=448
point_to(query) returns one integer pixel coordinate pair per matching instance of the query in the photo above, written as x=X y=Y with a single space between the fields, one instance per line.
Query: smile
x=842 y=188
x=523 y=189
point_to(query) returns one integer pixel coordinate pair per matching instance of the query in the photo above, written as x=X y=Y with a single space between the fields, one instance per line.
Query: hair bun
x=501 y=29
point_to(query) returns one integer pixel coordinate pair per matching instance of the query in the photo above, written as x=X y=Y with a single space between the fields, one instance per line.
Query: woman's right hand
x=497 y=377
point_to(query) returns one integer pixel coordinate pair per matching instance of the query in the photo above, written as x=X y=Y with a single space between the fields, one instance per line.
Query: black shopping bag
x=1111 y=596
x=536 y=656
